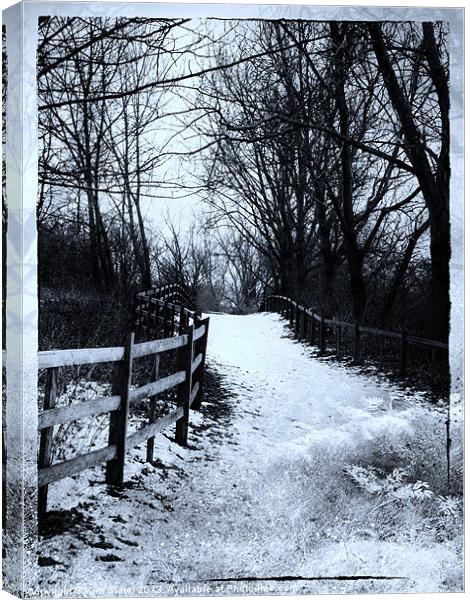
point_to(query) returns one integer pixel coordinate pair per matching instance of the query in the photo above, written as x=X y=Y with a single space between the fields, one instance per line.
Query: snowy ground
x=260 y=491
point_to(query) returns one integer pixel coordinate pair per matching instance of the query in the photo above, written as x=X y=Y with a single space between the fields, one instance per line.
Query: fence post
x=357 y=343
x=297 y=320
x=322 y=336
x=45 y=444
x=312 y=327
x=202 y=366
x=338 y=341
x=118 y=418
x=304 y=324
x=153 y=407
x=291 y=314
x=403 y=354
x=184 y=391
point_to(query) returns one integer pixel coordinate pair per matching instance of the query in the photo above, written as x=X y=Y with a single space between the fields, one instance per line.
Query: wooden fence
x=162 y=311
x=187 y=334
x=316 y=329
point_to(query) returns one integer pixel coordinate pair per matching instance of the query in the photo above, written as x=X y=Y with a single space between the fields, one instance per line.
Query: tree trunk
x=434 y=186
x=440 y=275
x=354 y=254
x=400 y=272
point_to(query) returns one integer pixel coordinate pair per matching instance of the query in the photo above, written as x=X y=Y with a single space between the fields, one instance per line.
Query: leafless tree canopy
x=320 y=151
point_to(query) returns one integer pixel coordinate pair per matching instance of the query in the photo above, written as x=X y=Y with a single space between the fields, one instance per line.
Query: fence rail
x=313 y=328
x=190 y=341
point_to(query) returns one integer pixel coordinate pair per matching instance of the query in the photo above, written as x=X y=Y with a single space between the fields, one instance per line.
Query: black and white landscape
x=290 y=179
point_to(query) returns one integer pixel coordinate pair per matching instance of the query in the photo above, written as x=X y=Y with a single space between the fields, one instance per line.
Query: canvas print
x=242 y=284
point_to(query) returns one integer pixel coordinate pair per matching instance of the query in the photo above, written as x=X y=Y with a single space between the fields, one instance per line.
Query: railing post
x=118 y=418
x=357 y=343
x=322 y=336
x=403 y=354
x=312 y=327
x=202 y=366
x=45 y=444
x=291 y=313
x=184 y=391
x=153 y=407
x=304 y=324
x=297 y=320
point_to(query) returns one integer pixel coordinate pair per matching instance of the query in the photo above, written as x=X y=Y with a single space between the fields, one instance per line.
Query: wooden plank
x=195 y=392
x=80 y=356
x=149 y=431
x=200 y=384
x=157 y=387
x=75 y=465
x=382 y=332
x=118 y=420
x=427 y=342
x=196 y=362
x=72 y=412
x=199 y=332
x=336 y=323
x=159 y=346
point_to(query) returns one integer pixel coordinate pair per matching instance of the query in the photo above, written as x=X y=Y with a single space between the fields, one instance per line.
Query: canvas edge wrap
x=21 y=150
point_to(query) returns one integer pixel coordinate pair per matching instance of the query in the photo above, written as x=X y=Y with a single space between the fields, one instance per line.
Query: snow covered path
x=246 y=499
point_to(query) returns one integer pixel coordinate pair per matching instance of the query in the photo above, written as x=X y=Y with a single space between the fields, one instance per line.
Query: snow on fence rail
x=191 y=341
x=304 y=320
